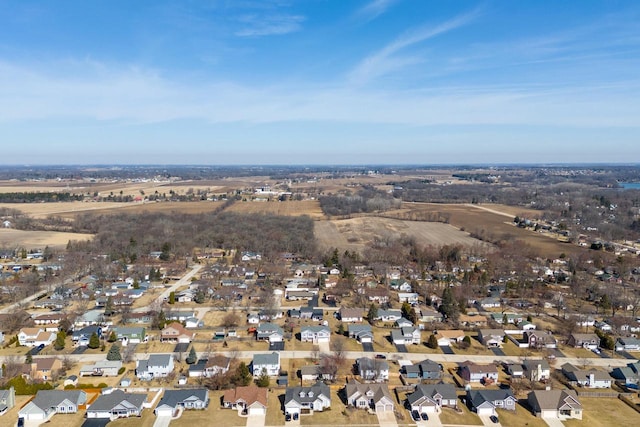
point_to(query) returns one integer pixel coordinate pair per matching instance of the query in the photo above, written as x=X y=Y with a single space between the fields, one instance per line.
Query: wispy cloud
x=268 y=25
x=387 y=60
x=374 y=9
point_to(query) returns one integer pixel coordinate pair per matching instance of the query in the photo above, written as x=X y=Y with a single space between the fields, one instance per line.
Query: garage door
x=164 y=412
x=256 y=411
x=485 y=411
x=384 y=407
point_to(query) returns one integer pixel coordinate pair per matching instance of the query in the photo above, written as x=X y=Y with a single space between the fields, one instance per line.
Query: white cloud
x=267 y=25
x=384 y=60
x=375 y=8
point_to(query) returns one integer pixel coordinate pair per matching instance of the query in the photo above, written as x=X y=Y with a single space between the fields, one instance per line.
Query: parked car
x=424 y=416
x=415 y=415
x=596 y=350
x=287 y=417
x=380 y=356
x=295 y=416
x=494 y=419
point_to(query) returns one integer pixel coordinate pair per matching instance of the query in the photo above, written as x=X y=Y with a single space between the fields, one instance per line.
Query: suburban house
x=410 y=297
x=133 y=335
x=101 y=368
x=114 y=404
x=536 y=369
x=430 y=370
x=376 y=370
x=7 y=400
x=402 y=322
x=34 y=337
x=253 y=318
x=485 y=402
x=475 y=373
x=315 y=334
x=627 y=344
x=629 y=374
x=472 y=321
x=540 y=339
x=430 y=398
x=50 y=402
x=491 y=337
x=489 y=302
x=218 y=364
x=269 y=362
x=303 y=400
x=269 y=332
x=172 y=400
x=591 y=378
x=447 y=336
x=560 y=404
x=48 y=319
x=176 y=333
x=388 y=315
x=82 y=336
x=362 y=333
x=515 y=370
x=156 y=366
x=350 y=315
x=428 y=315
x=251 y=400
x=508 y=318
x=590 y=341
x=369 y=396
x=43 y=368
x=406 y=335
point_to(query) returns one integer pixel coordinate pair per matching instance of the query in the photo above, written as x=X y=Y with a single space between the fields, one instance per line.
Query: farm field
x=38 y=239
x=288 y=208
x=358 y=233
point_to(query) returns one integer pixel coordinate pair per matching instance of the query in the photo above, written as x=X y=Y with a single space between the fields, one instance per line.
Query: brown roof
x=451 y=333
x=249 y=394
x=50 y=316
x=218 y=360
x=178 y=327
x=480 y=369
x=31 y=331
x=45 y=363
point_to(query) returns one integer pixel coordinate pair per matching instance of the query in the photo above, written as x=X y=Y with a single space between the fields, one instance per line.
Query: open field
x=11 y=238
x=494 y=225
x=358 y=233
x=287 y=208
x=600 y=412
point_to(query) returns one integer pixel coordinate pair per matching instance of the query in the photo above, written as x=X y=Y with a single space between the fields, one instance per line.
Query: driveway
x=162 y=422
x=367 y=346
x=256 y=420
x=387 y=419
x=402 y=348
x=446 y=349
x=553 y=422
x=497 y=351
x=80 y=350
x=487 y=422
x=324 y=347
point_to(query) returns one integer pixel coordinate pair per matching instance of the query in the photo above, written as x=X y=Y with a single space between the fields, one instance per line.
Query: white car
x=596 y=350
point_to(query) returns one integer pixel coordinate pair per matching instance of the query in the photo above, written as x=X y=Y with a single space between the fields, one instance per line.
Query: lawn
x=339 y=414
x=222 y=417
x=600 y=412
x=146 y=420
x=275 y=411
x=466 y=417
x=519 y=417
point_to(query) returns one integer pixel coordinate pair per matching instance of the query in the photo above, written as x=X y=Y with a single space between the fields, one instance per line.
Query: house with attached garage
x=7 y=400
x=369 y=396
x=156 y=366
x=560 y=404
x=269 y=332
x=376 y=370
x=475 y=373
x=113 y=404
x=591 y=378
x=42 y=368
x=131 y=335
x=269 y=362
x=315 y=334
x=491 y=337
x=485 y=402
x=34 y=337
x=173 y=400
x=350 y=315
x=410 y=297
x=540 y=339
x=176 y=333
x=251 y=400
x=216 y=365
x=428 y=315
x=101 y=368
x=50 y=402
x=627 y=344
x=401 y=322
x=82 y=336
x=306 y=400
x=446 y=337
x=362 y=333
x=406 y=335
x=388 y=315
x=431 y=398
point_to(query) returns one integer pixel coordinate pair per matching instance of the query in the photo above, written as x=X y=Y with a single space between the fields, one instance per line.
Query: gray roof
x=368 y=364
x=447 y=391
x=172 y=398
x=159 y=360
x=266 y=359
x=46 y=399
x=106 y=402
x=429 y=366
x=358 y=329
x=306 y=394
x=555 y=399
x=315 y=329
x=531 y=364
x=478 y=397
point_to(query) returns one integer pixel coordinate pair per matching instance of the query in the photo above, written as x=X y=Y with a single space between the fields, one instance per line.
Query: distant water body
x=630 y=185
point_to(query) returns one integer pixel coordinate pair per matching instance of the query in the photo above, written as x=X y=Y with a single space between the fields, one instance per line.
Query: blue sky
x=319 y=82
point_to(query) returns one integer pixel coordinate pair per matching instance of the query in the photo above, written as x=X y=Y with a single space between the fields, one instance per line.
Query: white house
x=410 y=297
x=406 y=335
x=309 y=399
x=50 y=402
x=315 y=334
x=268 y=362
x=156 y=366
x=559 y=404
x=33 y=337
x=376 y=370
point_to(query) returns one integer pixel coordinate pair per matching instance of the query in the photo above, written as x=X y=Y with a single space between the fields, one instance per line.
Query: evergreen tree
x=243 y=376
x=114 y=353
x=94 y=341
x=192 y=357
x=112 y=337
x=263 y=380
x=408 y=312
x=433 y=342
x=29 y=358
x=372 y=314
x=449 y=306
x=60 y=340
x=136 y=284
x=172 y=297
x=341 y=329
